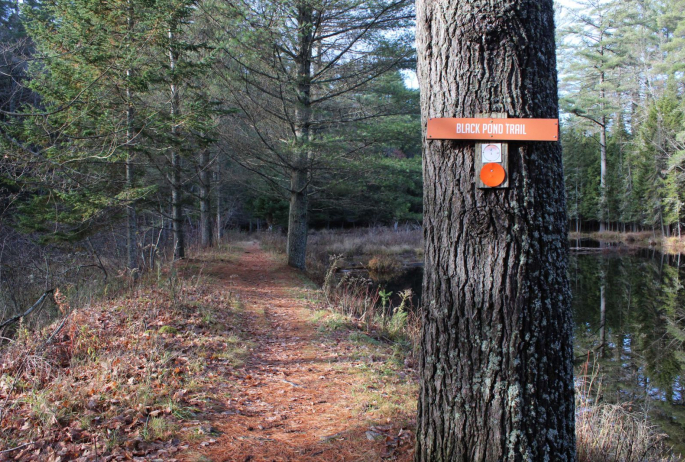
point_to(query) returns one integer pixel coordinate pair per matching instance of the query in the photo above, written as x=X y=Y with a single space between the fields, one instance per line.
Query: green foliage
x=96 y=143
x=621 y=73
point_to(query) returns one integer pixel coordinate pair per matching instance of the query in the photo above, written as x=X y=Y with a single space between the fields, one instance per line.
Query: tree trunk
x=218 y=202
x=300 y=170
x=297 y=220
x=176 y=192
x=131 y=218
x=602 y=152
x=603 y=174
x=602 y=316
x=496 y=362
x=205 y=209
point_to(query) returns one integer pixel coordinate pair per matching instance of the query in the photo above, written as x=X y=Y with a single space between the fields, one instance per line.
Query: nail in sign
x=493 y=129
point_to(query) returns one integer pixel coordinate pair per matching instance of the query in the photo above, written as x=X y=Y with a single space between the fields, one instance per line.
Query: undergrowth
x=604 y=431
x=613 y=432
x=118 y=377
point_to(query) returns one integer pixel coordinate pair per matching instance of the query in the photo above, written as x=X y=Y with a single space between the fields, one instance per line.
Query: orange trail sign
x=493 y=129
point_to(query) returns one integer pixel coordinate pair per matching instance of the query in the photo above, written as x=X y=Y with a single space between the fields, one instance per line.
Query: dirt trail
x=293 y=400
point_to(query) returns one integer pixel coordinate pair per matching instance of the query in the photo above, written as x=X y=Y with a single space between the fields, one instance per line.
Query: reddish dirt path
x=293 y=399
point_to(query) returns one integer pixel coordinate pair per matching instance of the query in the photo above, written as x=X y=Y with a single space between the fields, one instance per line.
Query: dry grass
x=674 y=245
x=613 y=432
x=357 y=246
x=644 y=239
x=118 y=376
x=367 y=241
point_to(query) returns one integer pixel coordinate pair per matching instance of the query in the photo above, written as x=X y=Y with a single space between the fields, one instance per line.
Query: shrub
x=384 y=268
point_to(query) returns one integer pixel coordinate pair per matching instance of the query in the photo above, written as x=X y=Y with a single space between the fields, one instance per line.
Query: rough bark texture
x=603 y=212
x=297 y=220
x=298 y=226
x=496 y=365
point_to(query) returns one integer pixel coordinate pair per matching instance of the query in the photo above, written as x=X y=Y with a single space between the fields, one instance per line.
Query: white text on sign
x=491 y=129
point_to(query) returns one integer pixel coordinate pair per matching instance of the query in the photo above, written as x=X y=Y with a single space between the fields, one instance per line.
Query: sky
x=410 y=79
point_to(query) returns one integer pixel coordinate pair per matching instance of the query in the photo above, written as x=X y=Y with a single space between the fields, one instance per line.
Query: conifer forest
x=225 y=233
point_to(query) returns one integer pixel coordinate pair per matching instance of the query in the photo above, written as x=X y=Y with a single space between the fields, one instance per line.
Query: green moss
x=168 y=330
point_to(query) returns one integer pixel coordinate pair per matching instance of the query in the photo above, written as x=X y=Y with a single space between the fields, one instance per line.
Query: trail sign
x=491 y=128
x=492 y=158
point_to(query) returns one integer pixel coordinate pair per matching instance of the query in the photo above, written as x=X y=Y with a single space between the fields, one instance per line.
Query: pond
x=629 y=314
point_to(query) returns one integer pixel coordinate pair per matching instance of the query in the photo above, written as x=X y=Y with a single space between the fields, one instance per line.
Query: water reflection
x=629 y=313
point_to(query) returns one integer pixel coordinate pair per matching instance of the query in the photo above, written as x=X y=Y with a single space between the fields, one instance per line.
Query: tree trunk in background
x=603 y=215
x=176 y=192
x=205 y=209
x=131 y=221
x=602 y=317
x=603 y=175
x=218 y=202
x=298 y=226
x=297 y=219
x=131 y=218
x=496 y=363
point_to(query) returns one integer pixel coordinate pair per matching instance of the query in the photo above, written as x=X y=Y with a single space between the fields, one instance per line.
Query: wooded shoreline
x=630 y=241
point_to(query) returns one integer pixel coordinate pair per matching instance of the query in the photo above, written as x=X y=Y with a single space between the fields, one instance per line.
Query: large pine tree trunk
x=496 y=362
x=298 y=226
x=297 y=220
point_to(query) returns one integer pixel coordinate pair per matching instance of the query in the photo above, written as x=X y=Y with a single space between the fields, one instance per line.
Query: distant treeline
x=622 y=76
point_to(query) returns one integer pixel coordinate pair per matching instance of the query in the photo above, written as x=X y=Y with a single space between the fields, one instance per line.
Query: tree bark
x=496 y=362
x=219 y=226
x=603 y=212
x=602 y=316
x=205 y=209
x=297 y=220
x=298 y=226
x=602 y=147
x=176 y=192
x=131 y=218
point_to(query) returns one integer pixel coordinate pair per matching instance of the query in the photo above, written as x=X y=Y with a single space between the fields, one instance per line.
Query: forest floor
x=304 y=392
x=232 y=358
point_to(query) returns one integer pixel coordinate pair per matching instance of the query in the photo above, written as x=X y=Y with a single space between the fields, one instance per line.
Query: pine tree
x=595 y=54
x=496 y=352
x=94 y=70
x=296 y=70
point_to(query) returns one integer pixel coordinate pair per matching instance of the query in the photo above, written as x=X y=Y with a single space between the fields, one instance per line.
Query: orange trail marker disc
x=492 y=174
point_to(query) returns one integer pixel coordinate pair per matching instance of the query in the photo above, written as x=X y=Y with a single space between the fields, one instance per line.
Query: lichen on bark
x=496 y=367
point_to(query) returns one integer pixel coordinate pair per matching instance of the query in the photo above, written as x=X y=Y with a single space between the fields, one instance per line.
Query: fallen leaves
x=109 y=377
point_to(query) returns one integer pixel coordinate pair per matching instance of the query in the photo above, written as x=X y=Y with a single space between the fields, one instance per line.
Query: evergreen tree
x=92 y=74
x=496 y=351
x=596 y=55
x=297 y=70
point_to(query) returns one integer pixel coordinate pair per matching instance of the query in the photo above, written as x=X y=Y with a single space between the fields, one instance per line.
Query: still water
x=629 y=313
